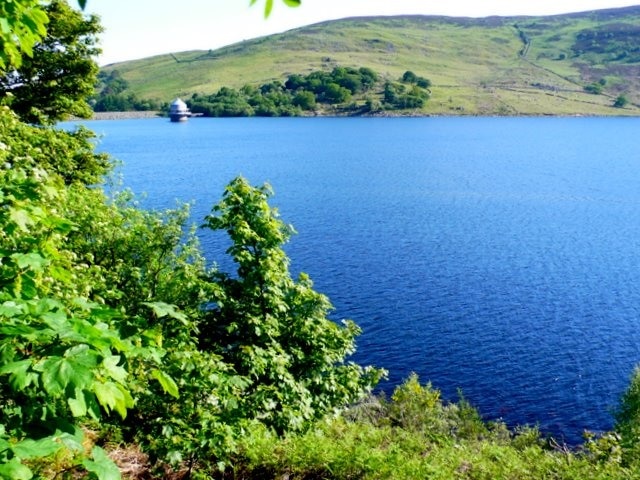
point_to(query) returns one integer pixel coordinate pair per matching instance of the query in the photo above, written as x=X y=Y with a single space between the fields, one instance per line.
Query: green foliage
x=414 y=435
x=304 y=93
x=113 y=95
x=409 y=77
x=628 y=420
x=305 y=100
x=70 y=155
x=109 y=313
x=54 y=81
x=272 y=329
x=594 y=88
x=22 y=24
x=621 y=101
x=268 y=6
x=397 y=96
x=62 y=357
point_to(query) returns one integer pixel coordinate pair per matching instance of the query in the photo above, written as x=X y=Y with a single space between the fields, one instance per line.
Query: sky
x=143 y=28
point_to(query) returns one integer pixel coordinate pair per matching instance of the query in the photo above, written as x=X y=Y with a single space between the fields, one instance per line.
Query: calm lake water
x=500 y=256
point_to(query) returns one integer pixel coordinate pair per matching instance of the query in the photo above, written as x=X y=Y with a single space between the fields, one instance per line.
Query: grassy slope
x=476 y=65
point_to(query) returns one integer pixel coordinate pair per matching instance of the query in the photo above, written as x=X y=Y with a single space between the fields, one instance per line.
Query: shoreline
x=157 y=114
x=125 y=115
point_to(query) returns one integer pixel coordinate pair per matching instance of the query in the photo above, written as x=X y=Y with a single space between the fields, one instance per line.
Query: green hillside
x=575 y=64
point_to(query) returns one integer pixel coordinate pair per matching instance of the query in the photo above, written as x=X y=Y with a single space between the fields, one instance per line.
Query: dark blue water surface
x=500 y=256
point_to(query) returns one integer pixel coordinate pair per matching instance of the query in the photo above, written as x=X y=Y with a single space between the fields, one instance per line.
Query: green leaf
x=166 y=382
x=78 y=405
x=11 y=309
x=161 y=309
x=101 y=465
x=29 y=448
x=77 y=370
x=113 y=397
x=20 y=375
x=4 y=26
x=57 y=373
x=93 y=408
x=267 y=8
x=29 y=289
x=29 y=260
x=292 y=3
x=21 y=218
x=57 y=320
x=82 y=3
x=14 y=470
x=110 y=364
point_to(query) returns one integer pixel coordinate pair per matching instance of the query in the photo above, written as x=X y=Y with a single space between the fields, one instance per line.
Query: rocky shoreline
x=125 y=115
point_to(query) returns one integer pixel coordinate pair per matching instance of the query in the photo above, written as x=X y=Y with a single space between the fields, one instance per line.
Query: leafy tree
x=305 y=100
x=409 y=77
x=295 y=82
x=334 y=93
x=594 y=88
x=391 y=92
x=113 y=96
x=621 y=101
x=275 y=330
x=368 y=77
x=63 y=357
x=70 y=155
x=423 y=82
x=113 y=83
x=55 y=81
x=398 y=96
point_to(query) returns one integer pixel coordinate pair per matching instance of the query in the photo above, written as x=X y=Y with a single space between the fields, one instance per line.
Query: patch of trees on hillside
x=342 y=90
x=112 y=95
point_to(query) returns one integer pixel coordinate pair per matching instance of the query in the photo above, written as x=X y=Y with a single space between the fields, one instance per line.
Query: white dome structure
x=178 y=111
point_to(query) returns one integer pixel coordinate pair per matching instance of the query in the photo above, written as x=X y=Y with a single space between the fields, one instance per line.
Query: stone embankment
x=124 y=115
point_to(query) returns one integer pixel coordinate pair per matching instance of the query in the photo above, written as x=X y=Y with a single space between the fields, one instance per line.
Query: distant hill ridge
x=585 y=63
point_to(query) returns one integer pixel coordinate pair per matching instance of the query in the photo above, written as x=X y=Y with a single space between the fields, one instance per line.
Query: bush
x=621 y=101
x=628 y=420
x=594 y=88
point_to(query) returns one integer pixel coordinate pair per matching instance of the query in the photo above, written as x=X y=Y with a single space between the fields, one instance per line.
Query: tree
x=55 y=81
x=63 y=357
x=334 y=93
x=275 y=330
x=368 y=77
x=409 y=77
x=621 y=101
x=69 y=155
x=594 y=88
x=305 y=100
x=24 y=23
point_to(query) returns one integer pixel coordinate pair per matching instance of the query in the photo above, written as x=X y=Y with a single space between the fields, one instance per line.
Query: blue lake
x=499 y=256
